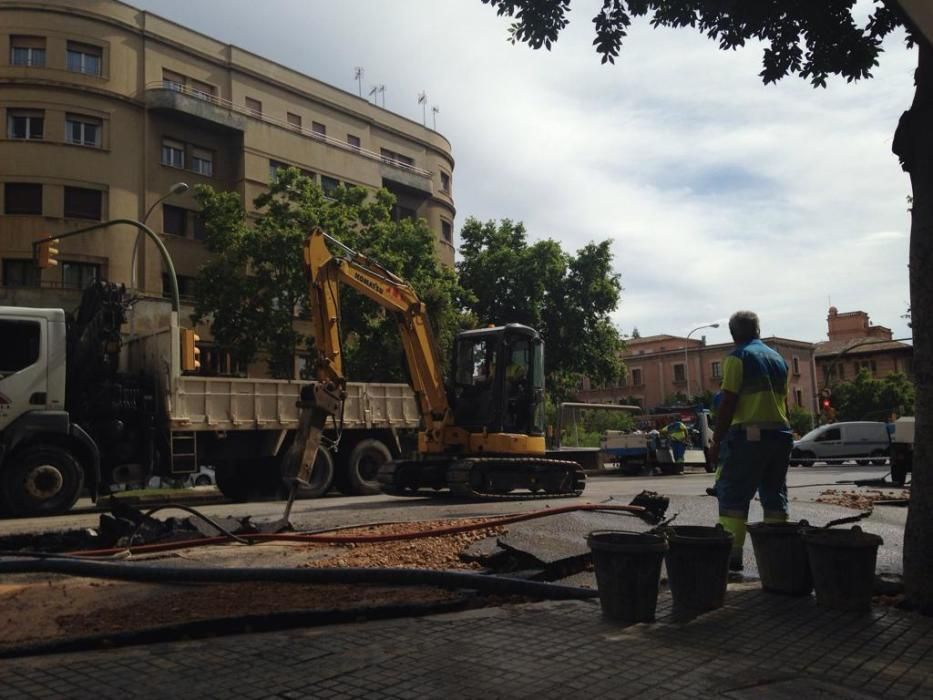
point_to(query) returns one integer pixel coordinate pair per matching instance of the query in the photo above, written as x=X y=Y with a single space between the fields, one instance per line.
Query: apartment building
x=856 y=344
x=662 y=366
x=105 y=107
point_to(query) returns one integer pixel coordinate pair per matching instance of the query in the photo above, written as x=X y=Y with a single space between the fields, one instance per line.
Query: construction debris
x=860 y=500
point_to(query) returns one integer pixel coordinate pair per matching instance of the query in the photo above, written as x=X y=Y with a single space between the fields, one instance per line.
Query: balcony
x=169 y=96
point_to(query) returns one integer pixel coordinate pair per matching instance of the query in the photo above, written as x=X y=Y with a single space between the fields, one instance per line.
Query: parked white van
x=866 y=442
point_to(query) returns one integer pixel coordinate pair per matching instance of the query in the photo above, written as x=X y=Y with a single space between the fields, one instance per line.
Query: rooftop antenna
x=358 y=76
x=372 y=92
x=423 y=101
x=434 y=112
x=381 y=90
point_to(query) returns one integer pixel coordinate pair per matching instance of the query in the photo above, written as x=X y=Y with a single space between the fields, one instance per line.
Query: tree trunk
x=913 y=143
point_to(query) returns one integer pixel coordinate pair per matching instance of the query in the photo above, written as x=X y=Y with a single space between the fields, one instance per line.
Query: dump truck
x=86 y=404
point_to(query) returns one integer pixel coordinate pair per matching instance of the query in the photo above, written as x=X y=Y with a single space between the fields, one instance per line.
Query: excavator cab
x=498 y=383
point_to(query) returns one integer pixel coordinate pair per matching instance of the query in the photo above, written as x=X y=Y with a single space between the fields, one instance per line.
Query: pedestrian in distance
x=752 y=432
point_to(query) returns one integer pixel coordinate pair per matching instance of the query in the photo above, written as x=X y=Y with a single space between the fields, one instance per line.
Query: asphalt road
x=805 y=485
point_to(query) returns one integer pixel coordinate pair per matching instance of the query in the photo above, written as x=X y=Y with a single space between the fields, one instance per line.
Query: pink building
x=661 y=366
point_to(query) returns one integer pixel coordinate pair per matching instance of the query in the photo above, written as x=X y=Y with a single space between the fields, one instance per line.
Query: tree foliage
x=811 y=39
x=867 y=398
x=253 y=286
x=801 y=420
x=568 y=298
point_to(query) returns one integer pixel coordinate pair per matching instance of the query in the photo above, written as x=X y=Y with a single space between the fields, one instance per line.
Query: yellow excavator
x=482 y=433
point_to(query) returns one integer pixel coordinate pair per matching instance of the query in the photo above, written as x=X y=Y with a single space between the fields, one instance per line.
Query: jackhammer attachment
x=318 y=402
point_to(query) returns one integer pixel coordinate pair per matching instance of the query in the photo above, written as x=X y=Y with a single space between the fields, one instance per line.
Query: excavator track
x=485 y=478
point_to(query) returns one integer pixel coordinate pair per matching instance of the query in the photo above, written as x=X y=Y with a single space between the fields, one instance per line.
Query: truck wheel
x=232 y=482
x=322 y=475
x=363 y=466
x=42 y=480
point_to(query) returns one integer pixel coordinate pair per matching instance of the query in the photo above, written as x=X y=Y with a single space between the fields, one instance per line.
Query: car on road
x=865 y=442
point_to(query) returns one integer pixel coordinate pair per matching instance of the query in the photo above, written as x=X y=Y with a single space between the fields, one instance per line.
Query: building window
x=868 y=365
x=82 y=203
x=202 y=90
x=84 y=58
x=294 y=120
x=172 y=80
x=798 y=397
x=22 y=198
x=445 y=182
x=82 y=131
x=329 y=185
x=796 y=363
x=636 y=377
x=318 y=129
x=447 y=231
x=717 y=370
x=78 y=275
x=174 y=220
x=199 y=230
x=276 y=165
x=254 y=106
x=20 y=273
x=27 y=51
x=202 y=162
x=173 y=153
x=354 y=141
x=185 y=286
x=680 y=373
x=396 y=158
x=25 y=124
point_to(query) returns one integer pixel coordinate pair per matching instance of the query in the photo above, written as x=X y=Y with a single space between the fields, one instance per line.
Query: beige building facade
x=105 y=107
x=662 y=366
x=856 y=344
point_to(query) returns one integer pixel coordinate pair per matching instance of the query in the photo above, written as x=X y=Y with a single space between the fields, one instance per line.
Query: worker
x=752 y=432
x=677 y=436
x=711 y=490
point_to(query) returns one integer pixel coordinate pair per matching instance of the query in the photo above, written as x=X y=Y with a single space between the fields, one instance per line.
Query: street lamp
x=686 y=363
x=177 y=188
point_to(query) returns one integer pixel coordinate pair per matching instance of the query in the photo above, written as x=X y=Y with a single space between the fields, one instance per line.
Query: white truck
x=85 y=405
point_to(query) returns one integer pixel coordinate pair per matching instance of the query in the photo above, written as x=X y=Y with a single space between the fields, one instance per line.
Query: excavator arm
x=326 y=272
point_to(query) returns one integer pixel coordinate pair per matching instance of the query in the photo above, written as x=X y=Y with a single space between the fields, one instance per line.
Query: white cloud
x=718 y=191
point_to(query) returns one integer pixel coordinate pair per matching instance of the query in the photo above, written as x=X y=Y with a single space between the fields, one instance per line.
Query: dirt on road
x=42 y=608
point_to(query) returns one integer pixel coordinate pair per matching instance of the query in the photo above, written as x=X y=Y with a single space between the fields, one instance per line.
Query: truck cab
x=44 y=457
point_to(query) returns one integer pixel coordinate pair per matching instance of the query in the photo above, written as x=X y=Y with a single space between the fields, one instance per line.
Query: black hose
x=397 y=577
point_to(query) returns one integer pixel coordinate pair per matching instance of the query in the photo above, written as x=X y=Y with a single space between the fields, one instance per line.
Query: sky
x=718 y=192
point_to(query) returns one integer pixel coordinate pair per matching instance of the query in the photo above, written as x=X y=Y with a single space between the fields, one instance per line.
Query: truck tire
x=363 y=465
x=898 y=472
x=232 y=482
x=41 y=480
x=322 y=476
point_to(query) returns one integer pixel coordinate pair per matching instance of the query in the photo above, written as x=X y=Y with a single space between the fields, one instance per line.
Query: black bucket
x=698 y=566
x=843 y=565
x=781 y=555
x=628 y=570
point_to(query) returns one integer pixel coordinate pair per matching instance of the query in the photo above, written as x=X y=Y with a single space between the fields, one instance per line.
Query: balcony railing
x=253 y=114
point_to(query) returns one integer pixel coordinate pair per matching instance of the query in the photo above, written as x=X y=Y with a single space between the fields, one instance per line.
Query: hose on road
x=394 y=576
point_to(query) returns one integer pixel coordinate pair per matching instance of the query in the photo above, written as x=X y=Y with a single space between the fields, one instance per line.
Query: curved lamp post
x=177 y=188
x=686 y=362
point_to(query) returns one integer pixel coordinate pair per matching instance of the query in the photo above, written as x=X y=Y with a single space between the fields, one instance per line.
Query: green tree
x=801 y=420
x=813 y=40
x=567 y=298
x=867 y=398
x=253 y=286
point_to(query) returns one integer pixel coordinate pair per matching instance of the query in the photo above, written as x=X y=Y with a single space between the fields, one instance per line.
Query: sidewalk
x=757 y=646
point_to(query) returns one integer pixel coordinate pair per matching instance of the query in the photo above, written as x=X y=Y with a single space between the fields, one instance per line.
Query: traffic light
x=827 y=404
x=46 y=253
x=190 y=352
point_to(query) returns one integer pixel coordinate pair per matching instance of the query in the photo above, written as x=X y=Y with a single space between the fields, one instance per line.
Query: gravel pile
x=860 y=500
